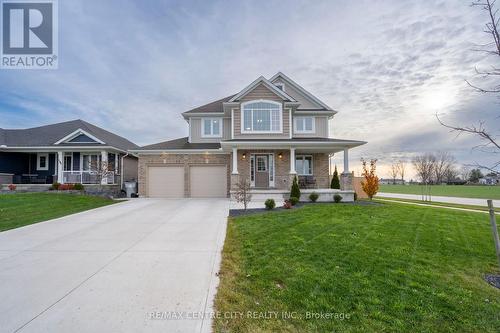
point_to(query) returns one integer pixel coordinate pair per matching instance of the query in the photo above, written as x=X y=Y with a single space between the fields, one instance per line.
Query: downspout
x=121 y=170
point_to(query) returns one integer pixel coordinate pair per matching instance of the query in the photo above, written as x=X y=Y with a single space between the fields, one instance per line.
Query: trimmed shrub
x=66 y=187
x=12 y=187
x=337 y=198
x=287 y=204
x=78 y=187
x=270 y=204
x=335 y=180
x=313 y=196
x=55 y=186
x=295 y=191
x=294 y=200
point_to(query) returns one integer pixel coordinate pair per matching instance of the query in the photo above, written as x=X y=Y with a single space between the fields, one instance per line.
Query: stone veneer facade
x=283 y=179
x=185 y=160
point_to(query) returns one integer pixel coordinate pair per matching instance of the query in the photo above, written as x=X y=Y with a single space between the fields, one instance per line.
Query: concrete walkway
x=109 y=269
x=455 y=200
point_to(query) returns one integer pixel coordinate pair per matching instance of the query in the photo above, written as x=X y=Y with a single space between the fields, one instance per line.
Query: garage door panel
x=166 y=182
x=208 y=181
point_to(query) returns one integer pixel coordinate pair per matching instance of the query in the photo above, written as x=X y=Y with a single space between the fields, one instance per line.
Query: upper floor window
x=280 y=86
x=212 y=127
x=261 y=116
x=304 y=124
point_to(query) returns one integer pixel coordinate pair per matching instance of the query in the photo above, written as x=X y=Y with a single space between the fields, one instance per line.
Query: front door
x=262 y=171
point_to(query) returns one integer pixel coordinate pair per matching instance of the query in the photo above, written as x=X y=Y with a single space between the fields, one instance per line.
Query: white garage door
x=208 y=181
x=166 y=182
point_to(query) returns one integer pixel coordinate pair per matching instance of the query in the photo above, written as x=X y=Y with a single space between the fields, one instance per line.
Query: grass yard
x=442 y=204
x=464 y=191
x=390 y=267
x=20 y=209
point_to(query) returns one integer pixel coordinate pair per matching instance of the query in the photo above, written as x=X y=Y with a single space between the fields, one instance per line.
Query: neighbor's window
x=304 y=124
x=42 y=162
x=303 y=165
x=68 y=161
x=261 y=116
x=212 y=127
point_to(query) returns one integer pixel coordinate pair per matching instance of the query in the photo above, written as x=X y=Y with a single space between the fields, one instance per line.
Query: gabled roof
x=267 y=84
x=299 y=88
x=216 y=106
x=50 y=135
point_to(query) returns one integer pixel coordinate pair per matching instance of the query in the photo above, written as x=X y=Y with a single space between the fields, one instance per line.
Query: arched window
x=261 y=116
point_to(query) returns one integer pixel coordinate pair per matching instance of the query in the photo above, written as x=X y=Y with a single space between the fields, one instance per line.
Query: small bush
x=295 y=191
x=66 y=187
x=78 y=187
x=12 y=187
x=355 y=196
x=270 y=204
x=294 y=200
x=313 y=196
x=55 y=186
x=337 y=198
x=287 y=204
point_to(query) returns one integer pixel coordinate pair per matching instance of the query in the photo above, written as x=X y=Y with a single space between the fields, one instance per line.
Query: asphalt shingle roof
x=212 y=106
x=50 y=134
x=181 y=143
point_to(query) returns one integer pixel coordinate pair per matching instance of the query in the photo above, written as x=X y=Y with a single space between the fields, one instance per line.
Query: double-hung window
x=261 y=117
x=304 y=124
x=303 y=165
x=211 y=127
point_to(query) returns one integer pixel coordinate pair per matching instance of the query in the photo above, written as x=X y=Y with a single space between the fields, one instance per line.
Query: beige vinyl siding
x=195 y=131
x=261 y=92
x=321 y=129
x=305 y=102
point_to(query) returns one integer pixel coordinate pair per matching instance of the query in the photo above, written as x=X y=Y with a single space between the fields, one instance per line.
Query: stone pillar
x=346 y=181
x=104 y=163
x=60 y=167
x=235 y=161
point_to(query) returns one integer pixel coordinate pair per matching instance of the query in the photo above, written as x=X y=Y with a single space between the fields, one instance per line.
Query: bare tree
x=444 y=163
x=450 y=174
x=465 y=172
x=101 y=170
x=424 y=166
x=402 y=170
x=394 y=172
x=242 y=194
x=490 y=141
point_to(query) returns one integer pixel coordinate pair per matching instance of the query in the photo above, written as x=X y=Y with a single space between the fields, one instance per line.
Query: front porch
x=45 y=167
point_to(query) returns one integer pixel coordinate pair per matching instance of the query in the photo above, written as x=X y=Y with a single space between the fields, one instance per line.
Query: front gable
x=262 y=89
x=79 y=136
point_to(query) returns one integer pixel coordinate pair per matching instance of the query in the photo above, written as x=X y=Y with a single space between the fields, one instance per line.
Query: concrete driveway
x=110 y=269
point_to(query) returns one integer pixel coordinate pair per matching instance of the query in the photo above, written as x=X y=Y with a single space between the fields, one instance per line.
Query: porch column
x=60 y=167
x=346 y=160
x=104 y=163
x=292 y=161
x=235 y=161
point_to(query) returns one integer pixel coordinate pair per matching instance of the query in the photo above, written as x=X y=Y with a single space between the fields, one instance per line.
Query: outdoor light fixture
x=244 y=155
x=280 y=156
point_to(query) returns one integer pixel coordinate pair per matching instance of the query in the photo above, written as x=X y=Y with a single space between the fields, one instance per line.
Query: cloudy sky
x=387 y=66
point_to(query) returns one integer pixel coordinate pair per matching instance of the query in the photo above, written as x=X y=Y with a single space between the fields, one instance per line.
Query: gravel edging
x=493 y=280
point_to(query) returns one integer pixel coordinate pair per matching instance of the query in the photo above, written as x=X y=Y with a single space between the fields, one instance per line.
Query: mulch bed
x=494 y=280
x=251 y=211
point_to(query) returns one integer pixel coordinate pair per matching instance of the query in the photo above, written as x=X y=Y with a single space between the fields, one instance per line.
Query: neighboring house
x=68 y=152
x=390 y=181
x=267 y=133
x=490 y=180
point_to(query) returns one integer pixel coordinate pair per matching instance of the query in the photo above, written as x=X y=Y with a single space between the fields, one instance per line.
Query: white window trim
x=303 y=158
x=221 y=124
x=66 y=154
x=242 y=122
x=38 y=167
x=88 y=154
x=304 y=131
x=76 y=133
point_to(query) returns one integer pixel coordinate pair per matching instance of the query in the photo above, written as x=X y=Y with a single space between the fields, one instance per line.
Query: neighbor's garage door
x=208 y=181
x=166 y=182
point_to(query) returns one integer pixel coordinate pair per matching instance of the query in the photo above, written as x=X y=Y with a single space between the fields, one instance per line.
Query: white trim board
x=77 y=133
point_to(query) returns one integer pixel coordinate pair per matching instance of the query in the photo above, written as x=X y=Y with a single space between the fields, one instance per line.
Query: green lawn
x=442 y=204
x=20 y=209
x=390 y=267
x=464 y=191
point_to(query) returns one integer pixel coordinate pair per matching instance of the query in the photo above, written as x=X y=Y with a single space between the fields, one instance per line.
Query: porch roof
x=303 y=144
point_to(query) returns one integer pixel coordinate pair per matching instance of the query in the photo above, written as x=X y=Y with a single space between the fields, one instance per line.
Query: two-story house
x=266 y=134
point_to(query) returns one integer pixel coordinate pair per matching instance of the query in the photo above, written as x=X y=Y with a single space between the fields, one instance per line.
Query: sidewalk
x=455 y=200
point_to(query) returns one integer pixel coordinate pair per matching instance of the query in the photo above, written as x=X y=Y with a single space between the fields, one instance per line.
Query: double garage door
x=204 y=181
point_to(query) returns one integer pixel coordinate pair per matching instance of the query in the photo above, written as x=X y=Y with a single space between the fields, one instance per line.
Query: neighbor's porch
x=84 y=167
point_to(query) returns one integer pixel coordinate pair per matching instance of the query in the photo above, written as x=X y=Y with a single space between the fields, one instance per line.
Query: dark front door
x=262 y=171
